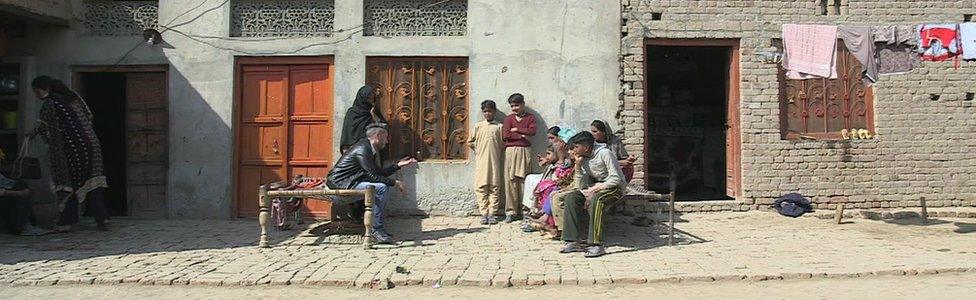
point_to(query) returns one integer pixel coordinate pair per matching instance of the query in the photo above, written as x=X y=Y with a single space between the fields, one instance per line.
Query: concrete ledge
x=386 y=283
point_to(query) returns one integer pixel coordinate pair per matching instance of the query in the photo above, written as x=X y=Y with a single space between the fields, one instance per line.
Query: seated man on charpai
x=359 y=168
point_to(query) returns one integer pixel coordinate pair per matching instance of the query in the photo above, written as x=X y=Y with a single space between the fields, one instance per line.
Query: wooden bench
x=265 y=194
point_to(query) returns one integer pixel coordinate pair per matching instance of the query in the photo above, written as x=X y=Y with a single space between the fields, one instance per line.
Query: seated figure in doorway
x=358 y=168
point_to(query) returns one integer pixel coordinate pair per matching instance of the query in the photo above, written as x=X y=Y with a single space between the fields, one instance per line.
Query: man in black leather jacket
x=359 y=168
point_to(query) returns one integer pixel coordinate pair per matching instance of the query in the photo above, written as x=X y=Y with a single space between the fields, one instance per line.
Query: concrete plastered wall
x=922 y=149
x=46 y=10
x=562 y=55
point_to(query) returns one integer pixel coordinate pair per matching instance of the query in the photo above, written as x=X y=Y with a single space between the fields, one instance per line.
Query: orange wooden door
x=285 y=129
x=262 y=141
x=310 y=128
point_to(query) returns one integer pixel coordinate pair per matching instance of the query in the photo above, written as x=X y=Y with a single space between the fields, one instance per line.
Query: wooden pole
x=925 y=210
x=673 y=186
x=839 y=215
x=263 y=203
x=368 y=217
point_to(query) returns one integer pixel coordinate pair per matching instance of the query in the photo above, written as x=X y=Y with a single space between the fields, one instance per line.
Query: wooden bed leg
x=263 y=215
x=368 y=217
x=674 y=185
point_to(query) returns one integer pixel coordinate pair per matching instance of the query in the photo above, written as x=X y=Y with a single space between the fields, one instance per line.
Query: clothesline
x=810 y=50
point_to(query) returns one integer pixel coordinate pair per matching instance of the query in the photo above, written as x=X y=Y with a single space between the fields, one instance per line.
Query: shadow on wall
x=430 y=193
x=201 y=150
x=539 y=141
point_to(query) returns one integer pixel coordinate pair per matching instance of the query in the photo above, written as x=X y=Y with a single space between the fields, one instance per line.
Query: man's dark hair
x=375 y=128
x=554 y=130
x=488 y=104
x=584 y=138
x=516 y=99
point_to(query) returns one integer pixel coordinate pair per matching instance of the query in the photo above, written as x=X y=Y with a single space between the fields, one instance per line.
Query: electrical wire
x=205 y=42
x=136 y=46
x=191 y=20
x=264 y=39
x=126 y=54
x=203 y=39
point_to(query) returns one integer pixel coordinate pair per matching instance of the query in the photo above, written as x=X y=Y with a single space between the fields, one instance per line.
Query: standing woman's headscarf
x=362 y=113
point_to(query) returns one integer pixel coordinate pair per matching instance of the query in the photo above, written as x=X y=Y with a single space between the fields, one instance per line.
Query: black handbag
x=26 y=167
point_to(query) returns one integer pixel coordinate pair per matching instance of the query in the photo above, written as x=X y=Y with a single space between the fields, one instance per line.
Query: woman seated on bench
x=600 y=185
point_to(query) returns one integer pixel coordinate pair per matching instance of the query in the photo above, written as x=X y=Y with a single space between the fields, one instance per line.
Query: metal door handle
x=274 y=146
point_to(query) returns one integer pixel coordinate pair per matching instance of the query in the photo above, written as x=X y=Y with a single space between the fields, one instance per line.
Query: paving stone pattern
x=458 y=251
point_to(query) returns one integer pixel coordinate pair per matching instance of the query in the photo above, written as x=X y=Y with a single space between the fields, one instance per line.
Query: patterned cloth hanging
x=938 y=42
x=897 y=59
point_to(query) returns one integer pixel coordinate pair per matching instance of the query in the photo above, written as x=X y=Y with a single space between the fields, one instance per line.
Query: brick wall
x=922 y=148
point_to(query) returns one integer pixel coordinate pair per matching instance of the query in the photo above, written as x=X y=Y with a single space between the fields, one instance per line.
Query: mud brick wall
x=923 y=148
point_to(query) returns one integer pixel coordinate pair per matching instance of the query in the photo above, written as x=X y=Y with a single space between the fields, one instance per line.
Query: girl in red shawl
x=558 y=176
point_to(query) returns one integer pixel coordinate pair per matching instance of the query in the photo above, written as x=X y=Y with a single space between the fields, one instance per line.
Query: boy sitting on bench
x=601 y=185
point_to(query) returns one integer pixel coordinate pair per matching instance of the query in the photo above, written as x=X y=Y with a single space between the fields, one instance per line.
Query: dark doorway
x=130 y=105
x=687 y=101
x=105 y=94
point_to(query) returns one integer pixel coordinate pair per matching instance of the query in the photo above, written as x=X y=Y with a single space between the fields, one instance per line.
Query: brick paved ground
x=458 y=251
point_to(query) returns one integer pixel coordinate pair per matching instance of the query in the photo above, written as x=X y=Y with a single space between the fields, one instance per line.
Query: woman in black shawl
x=65 y=124
x=363 y=112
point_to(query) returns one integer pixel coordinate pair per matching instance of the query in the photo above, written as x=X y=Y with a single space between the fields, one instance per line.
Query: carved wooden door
x=285 y=129
x=146 y=156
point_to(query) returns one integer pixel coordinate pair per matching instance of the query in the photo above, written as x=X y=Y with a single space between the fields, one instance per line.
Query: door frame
x=76 y=70
x=151 y=68
x=733 y=117
x=239 y=63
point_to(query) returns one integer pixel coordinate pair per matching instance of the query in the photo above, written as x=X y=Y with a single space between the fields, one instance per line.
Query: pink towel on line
x=810 y=50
